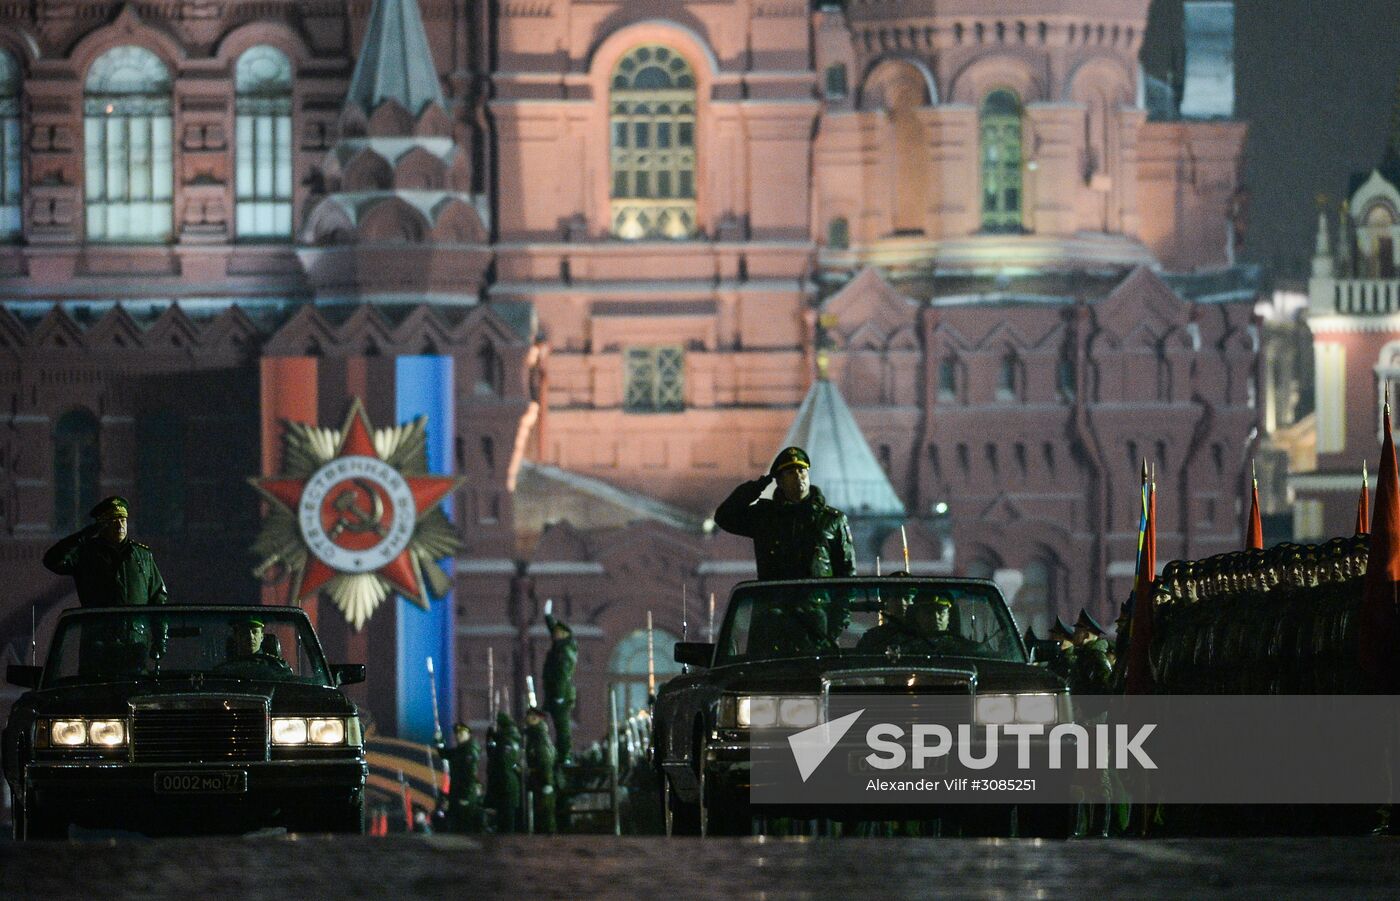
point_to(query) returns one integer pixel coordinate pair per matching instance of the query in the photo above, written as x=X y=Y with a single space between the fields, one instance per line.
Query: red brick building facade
x=634 y=227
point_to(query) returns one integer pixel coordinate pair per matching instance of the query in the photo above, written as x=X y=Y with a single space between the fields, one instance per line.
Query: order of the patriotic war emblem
x=355 y=514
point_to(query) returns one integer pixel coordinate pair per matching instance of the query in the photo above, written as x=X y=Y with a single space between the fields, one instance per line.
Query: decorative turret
x=844 y=467
x=396 y=180
x=1322 y=263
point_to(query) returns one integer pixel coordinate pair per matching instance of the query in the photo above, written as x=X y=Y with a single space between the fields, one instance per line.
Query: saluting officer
x=107 y=566
x=795 y=534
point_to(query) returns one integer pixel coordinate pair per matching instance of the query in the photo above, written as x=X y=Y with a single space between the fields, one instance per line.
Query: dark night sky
x=1316 y=81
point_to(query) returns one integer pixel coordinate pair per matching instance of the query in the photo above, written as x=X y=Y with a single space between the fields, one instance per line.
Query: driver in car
x=918 y=623
x=249 y=651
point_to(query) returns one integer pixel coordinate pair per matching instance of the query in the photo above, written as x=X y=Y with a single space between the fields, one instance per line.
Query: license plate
x=222 y=782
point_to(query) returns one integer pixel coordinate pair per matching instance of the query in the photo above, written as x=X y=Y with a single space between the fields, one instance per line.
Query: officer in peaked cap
x=108 y=568
x=1060 y=658
x=1087 y=625
x=1092 y=669
x=796 y=535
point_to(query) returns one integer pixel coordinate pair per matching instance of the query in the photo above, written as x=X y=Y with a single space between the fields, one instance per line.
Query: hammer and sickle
x=353 y=518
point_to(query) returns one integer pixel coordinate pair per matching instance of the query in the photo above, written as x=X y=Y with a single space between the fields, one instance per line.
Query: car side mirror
x=23 y=676
x=695 y=653
x=348 y=673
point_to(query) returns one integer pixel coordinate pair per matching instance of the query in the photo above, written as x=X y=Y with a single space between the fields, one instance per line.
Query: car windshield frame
x=859 y=593
x=219 y=619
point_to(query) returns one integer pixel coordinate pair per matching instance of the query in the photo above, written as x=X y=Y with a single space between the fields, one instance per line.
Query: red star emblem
x=357 y=514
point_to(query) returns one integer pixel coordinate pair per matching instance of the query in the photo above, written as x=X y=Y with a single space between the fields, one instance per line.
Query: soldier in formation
x=1092 y=669
x=539 y=769
x=464 y=813
x=503 y=765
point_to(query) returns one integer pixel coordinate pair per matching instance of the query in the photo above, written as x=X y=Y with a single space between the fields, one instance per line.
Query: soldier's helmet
x=113 y=507
x=789 y=457
x=1060 y=630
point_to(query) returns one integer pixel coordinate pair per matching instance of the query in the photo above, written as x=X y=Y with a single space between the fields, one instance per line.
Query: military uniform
x=107 y=576
x=1061 y=659
x=1093 y=671
x=539 y=767
x=791 y=540
x=560 y=694
x=464 y=794
x=112 y=575
x=503 y=773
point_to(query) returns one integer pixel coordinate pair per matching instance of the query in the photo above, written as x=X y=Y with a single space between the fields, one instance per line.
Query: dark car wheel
x=681 y=818
x=1045 y=820
x=43 y=825
x=723 y=811
x=339 y=820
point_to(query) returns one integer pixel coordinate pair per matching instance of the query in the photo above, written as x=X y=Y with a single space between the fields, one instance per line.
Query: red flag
x=1363 y=505
x=1377 y=626
x=1140 y=681
x=1254 y=535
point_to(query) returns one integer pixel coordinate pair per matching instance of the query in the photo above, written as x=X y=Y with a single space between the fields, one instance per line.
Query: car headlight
x=1038 y=708
x=68 y=733
x=800 y=712
x=288 y=730
x=765 y=711
x=327 y=732
x=107 y=733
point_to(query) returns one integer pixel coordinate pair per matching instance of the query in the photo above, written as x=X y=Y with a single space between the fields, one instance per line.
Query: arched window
x=1037 y=600
x=947 y=378
x=1064 y=378
x=1007 y=381
x=627 y=667
x=490 y=371
x=838 y=233
x=1001 y=161
x=11 y=153
x=263 y=174
x=77 y=465
x=128 y=162
x=653 y=145
x=160 y=472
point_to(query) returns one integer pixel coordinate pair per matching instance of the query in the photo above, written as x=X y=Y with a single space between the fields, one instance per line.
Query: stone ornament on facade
x=355 y=514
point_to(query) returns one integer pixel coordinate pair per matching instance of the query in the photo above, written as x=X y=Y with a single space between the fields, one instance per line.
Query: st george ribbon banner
x=1047 y=749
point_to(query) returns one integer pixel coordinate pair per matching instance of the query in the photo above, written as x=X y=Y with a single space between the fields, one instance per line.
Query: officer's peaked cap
x=789 y=457
x=110 y=508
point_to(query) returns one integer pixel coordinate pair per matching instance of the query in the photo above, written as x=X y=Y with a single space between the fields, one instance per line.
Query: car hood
x=113 y=699
x=806 y=674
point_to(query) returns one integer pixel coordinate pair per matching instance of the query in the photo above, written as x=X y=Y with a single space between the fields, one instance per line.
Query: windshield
x=895 y=618
x=263 y=644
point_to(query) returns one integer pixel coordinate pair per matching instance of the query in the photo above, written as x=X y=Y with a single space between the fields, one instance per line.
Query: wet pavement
x=301 y=868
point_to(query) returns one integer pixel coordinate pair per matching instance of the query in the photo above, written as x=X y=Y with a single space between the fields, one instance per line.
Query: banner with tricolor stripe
x=357 y=469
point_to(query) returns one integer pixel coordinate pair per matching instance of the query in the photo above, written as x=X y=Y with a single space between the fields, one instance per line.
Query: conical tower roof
x=395 y=62
x=843 y=466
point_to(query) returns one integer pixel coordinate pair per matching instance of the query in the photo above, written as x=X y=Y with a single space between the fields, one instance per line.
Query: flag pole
x=651 y=660
x=904 y=540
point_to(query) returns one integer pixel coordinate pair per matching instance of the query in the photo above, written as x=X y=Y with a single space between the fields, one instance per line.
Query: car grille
x=194 y=732
x=903 y=695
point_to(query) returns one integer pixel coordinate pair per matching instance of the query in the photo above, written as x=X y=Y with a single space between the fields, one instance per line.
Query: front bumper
x=730 y=776
x=121 y=794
